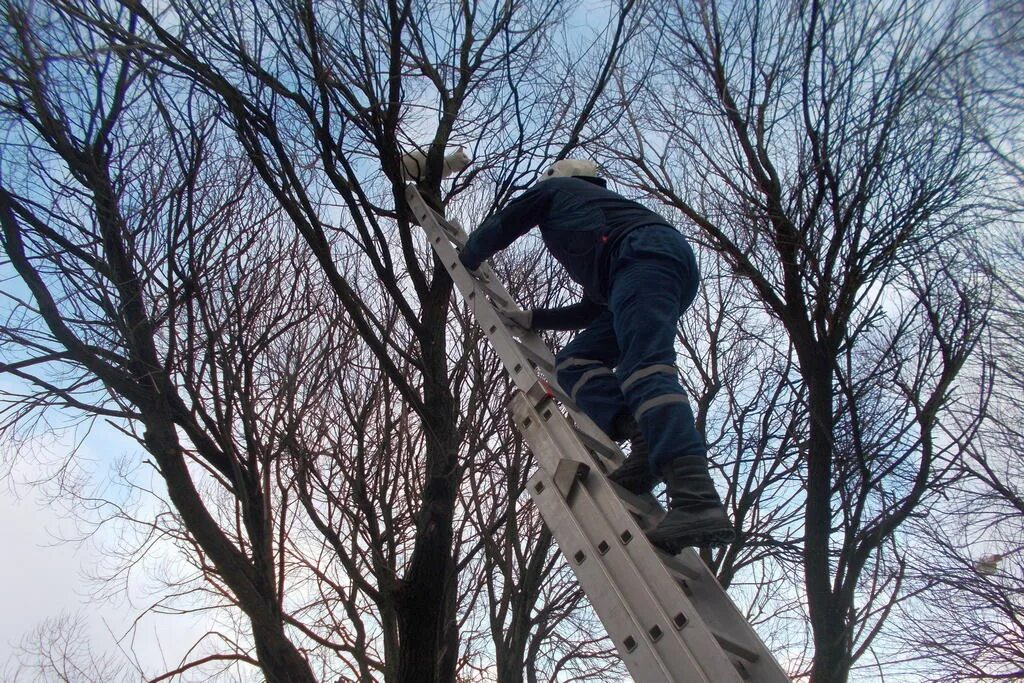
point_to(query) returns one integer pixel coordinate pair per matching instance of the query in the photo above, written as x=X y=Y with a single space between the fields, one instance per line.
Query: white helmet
x=569 y=167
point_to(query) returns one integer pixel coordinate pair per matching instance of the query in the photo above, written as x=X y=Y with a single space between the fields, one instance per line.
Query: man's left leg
x=584 y=371
x=655 y=281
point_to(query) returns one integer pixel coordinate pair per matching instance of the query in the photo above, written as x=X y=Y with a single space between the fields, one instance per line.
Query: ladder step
x=733 y=647
x=644 y=520
x=546 y=364
x=568 y=474
x=497 y=294
x=679 y=567
x=642 y=505
x=605 y=449
x=741 y=668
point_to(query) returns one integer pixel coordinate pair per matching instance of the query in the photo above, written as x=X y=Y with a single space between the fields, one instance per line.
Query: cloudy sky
x=43 y=577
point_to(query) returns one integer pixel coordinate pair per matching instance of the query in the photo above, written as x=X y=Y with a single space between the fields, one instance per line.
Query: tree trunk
x=280 y=661
x=828 y=618
x=426 y=602
x=511 y=659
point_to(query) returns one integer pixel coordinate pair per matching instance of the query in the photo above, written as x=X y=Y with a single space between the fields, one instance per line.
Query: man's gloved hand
x=479 y=274
x=473 y=268
x=465 y=259
x=521 y=319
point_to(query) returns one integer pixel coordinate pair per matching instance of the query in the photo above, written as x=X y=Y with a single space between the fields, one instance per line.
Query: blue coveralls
x=638 y=275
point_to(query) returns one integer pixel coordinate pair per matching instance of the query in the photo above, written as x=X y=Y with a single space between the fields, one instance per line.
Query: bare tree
x=812 y=147
x=966 y=625
x=164 y=292
x=59 y=650
x=116 y=217
x=323 y=98
x=997 y=118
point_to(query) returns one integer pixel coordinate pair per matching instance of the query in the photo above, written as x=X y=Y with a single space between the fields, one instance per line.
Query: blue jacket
x=580 y=222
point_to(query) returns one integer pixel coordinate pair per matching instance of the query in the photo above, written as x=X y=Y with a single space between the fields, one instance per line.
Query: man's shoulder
x=577 y=186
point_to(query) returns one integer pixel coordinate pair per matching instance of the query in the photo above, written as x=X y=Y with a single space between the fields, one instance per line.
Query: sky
x=44 y=575
x=39 y=578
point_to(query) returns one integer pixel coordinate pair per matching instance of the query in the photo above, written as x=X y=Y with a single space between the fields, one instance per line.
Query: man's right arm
x=572 y=317
x=504 y=227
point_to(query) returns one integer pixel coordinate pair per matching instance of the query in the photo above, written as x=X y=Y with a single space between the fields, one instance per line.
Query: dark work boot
x=695 y=514
x=634 y=474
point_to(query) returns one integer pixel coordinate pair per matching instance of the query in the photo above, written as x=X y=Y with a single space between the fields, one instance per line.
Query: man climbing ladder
x=638 y=276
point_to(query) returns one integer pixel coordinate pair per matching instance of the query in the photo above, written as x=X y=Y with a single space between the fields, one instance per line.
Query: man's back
x=580 y=221
x=609 y=211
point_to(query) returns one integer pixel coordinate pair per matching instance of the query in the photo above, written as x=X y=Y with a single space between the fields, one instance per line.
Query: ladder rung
x=568 y=474
x=496 y=294
x=731 y=646
x=545 y=364
x=643 y=518
x=645 y=505
x=679 y=567
x=602 y=448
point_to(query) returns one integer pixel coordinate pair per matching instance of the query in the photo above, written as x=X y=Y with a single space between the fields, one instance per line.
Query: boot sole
x=674 y=542
x=638 y=485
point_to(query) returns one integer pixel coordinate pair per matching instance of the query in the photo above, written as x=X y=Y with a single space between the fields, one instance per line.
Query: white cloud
x=44 y=576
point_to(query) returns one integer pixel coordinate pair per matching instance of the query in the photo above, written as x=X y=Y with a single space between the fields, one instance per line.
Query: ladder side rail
x=517 y=363
x=442 y=233
x=608 y=559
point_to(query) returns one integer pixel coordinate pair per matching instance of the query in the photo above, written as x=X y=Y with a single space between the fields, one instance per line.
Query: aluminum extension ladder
x=668 y=617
